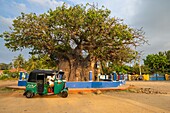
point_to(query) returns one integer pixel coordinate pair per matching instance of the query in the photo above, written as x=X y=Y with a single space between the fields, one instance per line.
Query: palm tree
x=19 y=62
x=32 y=63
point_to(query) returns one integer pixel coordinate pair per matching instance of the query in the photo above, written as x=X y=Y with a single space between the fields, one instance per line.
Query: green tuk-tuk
x=38 y=83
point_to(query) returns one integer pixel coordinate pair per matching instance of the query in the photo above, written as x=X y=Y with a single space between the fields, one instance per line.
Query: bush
x=4 y=77
x=14 y=74
x=6 y=72
x=8 y=75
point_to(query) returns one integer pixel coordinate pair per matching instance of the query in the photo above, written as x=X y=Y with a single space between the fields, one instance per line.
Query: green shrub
x=6 y=72
x=4 y=77
x=14 y=74
x=9 y=75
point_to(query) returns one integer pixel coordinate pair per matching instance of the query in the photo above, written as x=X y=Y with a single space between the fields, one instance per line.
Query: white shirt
x=51 y=79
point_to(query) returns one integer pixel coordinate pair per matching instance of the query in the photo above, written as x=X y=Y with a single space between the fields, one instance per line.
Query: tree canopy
x=158 y=62
x=71 y=32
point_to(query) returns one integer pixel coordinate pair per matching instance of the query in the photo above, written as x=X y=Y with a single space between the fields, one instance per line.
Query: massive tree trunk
x=70 y=67
x=78 y=69
x=73 y=67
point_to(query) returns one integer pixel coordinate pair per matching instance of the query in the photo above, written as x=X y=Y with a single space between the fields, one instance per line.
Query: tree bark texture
x=76 y=70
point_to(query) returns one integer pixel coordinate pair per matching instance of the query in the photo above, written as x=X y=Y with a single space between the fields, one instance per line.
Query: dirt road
x=12 y=101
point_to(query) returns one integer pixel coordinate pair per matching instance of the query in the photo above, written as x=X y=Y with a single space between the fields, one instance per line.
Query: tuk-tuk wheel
x=41 y=94
x=29 y=94
x=64 y=94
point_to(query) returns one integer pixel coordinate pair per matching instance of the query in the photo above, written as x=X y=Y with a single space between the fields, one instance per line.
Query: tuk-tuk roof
x=44 y=71
x=34 y=73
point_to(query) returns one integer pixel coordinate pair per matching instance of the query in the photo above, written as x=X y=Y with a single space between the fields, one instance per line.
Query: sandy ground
x=12 y=101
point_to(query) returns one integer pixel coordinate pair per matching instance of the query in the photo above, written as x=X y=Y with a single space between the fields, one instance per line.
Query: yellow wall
x=167 y=77
x=145 y=76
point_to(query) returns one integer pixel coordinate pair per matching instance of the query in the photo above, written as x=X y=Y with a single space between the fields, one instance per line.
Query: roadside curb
x=91 y=90
x=16 y=87
x=79 y=90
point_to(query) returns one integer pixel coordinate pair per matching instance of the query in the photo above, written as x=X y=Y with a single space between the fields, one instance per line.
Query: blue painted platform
x=101 y=84
x=108 y=82
x=22 y=82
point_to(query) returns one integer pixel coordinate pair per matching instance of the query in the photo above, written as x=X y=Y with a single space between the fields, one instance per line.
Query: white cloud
x=154 y=16
x=19 y=6
x=47 y=3
x=11 y=8
x=5 y=23
x=128 y=7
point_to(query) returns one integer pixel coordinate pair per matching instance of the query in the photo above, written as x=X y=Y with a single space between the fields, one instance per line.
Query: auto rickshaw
x=38 y=84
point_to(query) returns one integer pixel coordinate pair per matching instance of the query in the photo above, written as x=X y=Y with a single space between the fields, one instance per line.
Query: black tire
x=64 y=94
x=29 y=94
x=41 y=94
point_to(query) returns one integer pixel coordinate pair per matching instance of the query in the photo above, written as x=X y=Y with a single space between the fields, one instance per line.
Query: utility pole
x=140 y=71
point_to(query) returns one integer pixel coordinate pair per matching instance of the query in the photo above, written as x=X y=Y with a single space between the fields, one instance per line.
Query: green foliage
x=4 y=77
x=66 y=31
x=6 y=72
x=115 y=67
x=122 y=69
x=62 y=34
x=39 y=62
x=4 y=66
x=8 y=75
x=19 y=61
x=157 y=62
x=135 y=69
x=14 y=75
x=145 y=69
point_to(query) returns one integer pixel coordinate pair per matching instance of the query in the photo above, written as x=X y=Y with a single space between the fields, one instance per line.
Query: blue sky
x=152 y=15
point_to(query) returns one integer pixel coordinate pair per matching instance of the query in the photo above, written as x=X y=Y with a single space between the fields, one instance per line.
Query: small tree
x=157 y=62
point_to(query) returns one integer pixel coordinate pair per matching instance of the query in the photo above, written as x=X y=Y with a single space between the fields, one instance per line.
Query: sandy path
x=74 y=104
x=108 y=102
x=4 y=83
